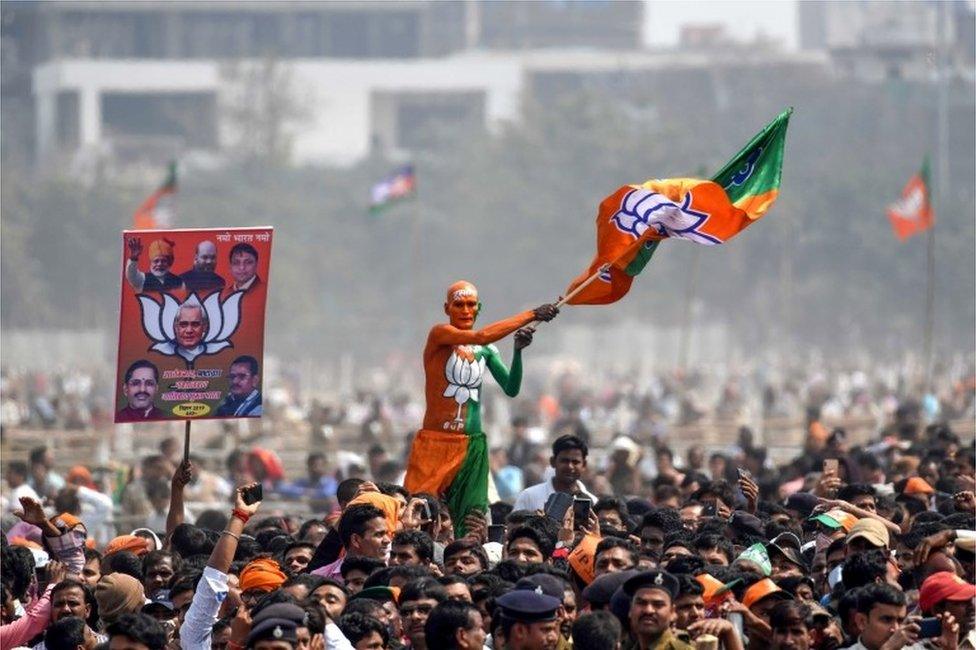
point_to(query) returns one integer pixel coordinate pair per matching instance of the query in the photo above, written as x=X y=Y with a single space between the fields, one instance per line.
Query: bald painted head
x=462 y=305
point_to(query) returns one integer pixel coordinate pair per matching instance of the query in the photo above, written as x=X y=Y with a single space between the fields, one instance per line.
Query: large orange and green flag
x=912 y=213
x=632 y=222
x=157 y=210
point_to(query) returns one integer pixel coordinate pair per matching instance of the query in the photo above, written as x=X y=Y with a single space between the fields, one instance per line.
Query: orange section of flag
x=912 y=213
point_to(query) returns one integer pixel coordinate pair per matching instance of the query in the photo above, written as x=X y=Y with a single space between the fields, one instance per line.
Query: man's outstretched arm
x=449 y=335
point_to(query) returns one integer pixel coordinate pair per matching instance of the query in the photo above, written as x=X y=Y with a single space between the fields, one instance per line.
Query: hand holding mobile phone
x=581 y=512
x=929 y=628
x=831 y=466
x=252 y=494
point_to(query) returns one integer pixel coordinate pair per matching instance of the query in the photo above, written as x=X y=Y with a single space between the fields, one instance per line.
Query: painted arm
x=449 y=335
x=509 y=380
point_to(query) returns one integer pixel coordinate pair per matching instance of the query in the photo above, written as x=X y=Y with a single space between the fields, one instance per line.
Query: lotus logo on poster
x=191 y=328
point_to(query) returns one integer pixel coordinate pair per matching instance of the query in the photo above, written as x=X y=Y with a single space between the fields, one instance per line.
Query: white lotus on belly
x=464 y=377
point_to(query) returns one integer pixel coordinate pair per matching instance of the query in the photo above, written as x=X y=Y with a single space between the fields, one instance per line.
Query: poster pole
x=186 y=442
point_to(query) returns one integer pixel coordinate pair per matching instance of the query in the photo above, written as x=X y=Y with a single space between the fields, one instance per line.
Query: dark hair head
x=467 y=544
x=569 y=442
x=851 y=490
x=713 y=540
x=419 y=540
x=18 y=467
x=141 y=628
x=365 y=606
x=690 y=565
x=878 y=594
x=667 y=519
x=599 y=629
x=36 y=455
x=346 y=490
x=716 y=489
x=627 y=545
x=407 y=572
x=189 y=540
x=212 y=519
x=65 y=634
x=444 y=622
x=141 y=363
x=310 y=581
x=356 y=627
x=422 y=588
x=125 y=562
x=360 y=563
x=541 y=538
x=787 y=614
x=246 y=360
x=864 y=568
x=152 y=558
x=307 y=525
x=688 y=586
x=354 y=520
x=17 y=569
x=243 y=247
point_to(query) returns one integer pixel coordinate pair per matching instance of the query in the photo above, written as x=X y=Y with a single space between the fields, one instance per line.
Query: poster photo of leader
x=191 y=323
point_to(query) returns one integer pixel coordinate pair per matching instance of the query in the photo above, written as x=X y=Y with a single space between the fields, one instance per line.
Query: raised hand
x=183 y=475
x=545 y=312
x=523 y=337
x=239 y=504
x=33 y=512
x=135 y=248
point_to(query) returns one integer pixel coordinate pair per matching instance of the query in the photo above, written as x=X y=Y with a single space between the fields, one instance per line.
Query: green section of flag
x=758 y=167
x=642 y=258
x=925 y=174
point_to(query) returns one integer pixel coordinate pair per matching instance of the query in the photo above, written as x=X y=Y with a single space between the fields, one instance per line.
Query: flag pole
x=942 y=173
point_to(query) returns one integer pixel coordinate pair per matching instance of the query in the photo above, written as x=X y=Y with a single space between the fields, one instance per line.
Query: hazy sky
x=743 y=19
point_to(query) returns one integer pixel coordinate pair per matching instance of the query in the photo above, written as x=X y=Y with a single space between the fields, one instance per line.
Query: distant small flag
x=399 y=185
x=912 y=213
x=158 y=210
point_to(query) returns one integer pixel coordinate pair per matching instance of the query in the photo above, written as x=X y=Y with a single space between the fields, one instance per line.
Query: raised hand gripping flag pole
x=632 y=221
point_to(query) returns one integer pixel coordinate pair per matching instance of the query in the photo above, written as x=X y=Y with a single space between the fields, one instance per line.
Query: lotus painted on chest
x=464 y=374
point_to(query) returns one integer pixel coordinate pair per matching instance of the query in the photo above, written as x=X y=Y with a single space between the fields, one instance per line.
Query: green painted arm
x=509 y=380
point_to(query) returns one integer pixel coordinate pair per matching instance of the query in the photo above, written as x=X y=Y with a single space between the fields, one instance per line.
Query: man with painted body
x=449 y=456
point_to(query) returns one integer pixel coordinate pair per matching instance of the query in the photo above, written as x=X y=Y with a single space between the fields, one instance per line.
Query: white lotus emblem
x=464 y=375
x=222 y=320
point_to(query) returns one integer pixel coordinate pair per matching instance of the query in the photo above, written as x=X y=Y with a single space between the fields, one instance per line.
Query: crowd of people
x=868 y=547
x=622 y=401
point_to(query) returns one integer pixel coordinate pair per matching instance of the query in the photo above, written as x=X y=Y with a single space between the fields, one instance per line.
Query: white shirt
x=22 y=490
x=534 y=497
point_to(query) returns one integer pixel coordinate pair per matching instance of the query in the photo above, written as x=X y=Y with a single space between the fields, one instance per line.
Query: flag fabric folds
x=158 y=209
x=632 y=221
x=399 y=185
x=912 y=213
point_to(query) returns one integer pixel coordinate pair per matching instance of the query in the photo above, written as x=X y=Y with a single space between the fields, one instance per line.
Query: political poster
x=191 y=323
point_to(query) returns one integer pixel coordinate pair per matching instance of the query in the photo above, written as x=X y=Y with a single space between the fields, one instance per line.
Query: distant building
x=888 y=40
x=142 y=82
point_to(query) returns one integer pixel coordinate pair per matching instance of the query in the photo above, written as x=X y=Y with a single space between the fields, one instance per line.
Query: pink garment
x=32 y=623
x=333 y=570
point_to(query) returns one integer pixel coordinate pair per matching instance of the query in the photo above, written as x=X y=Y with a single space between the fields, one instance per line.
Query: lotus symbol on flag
x=464 y=375
x=220 y=321
x=642 y=209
